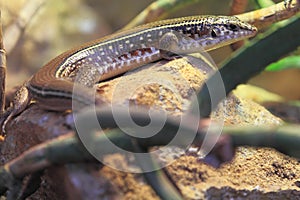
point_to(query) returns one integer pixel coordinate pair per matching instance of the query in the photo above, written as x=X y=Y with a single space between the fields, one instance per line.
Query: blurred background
x=58 y=25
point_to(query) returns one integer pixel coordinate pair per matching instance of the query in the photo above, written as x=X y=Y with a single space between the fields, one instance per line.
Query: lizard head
x=219 y=31
x=224 y=30
x=208 y=32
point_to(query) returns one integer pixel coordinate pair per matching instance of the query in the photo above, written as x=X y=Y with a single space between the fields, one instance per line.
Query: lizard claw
x=4 y=119
x=20 y=102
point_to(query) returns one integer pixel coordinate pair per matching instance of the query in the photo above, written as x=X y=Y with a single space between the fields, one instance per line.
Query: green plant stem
x=158 y=10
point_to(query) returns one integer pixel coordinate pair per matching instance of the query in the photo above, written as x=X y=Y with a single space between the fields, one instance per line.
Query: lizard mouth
x=211 y=43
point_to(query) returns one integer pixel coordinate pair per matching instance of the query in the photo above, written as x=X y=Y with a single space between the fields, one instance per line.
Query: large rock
x=168 y=86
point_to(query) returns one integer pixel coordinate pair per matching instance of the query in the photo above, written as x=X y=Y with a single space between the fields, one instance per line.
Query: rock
x=168 y=86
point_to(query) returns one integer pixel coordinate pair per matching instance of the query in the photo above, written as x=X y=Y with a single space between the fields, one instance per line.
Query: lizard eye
x=233 y=27
x=213 y=33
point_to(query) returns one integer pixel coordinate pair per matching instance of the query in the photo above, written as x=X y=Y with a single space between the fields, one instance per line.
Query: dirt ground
x=254 y=173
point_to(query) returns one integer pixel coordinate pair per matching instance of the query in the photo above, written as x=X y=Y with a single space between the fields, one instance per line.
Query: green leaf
x=264 y=3
x=285 y=63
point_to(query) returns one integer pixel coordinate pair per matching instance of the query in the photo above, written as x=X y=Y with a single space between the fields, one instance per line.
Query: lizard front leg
x=21 y=100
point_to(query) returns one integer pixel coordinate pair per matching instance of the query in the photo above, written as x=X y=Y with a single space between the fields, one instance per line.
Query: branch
x=14 y=32
x=266 y=16
x=158 y=10
x=2 y=70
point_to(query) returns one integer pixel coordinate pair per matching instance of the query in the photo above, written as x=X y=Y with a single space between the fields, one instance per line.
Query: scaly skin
x=52 y=86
